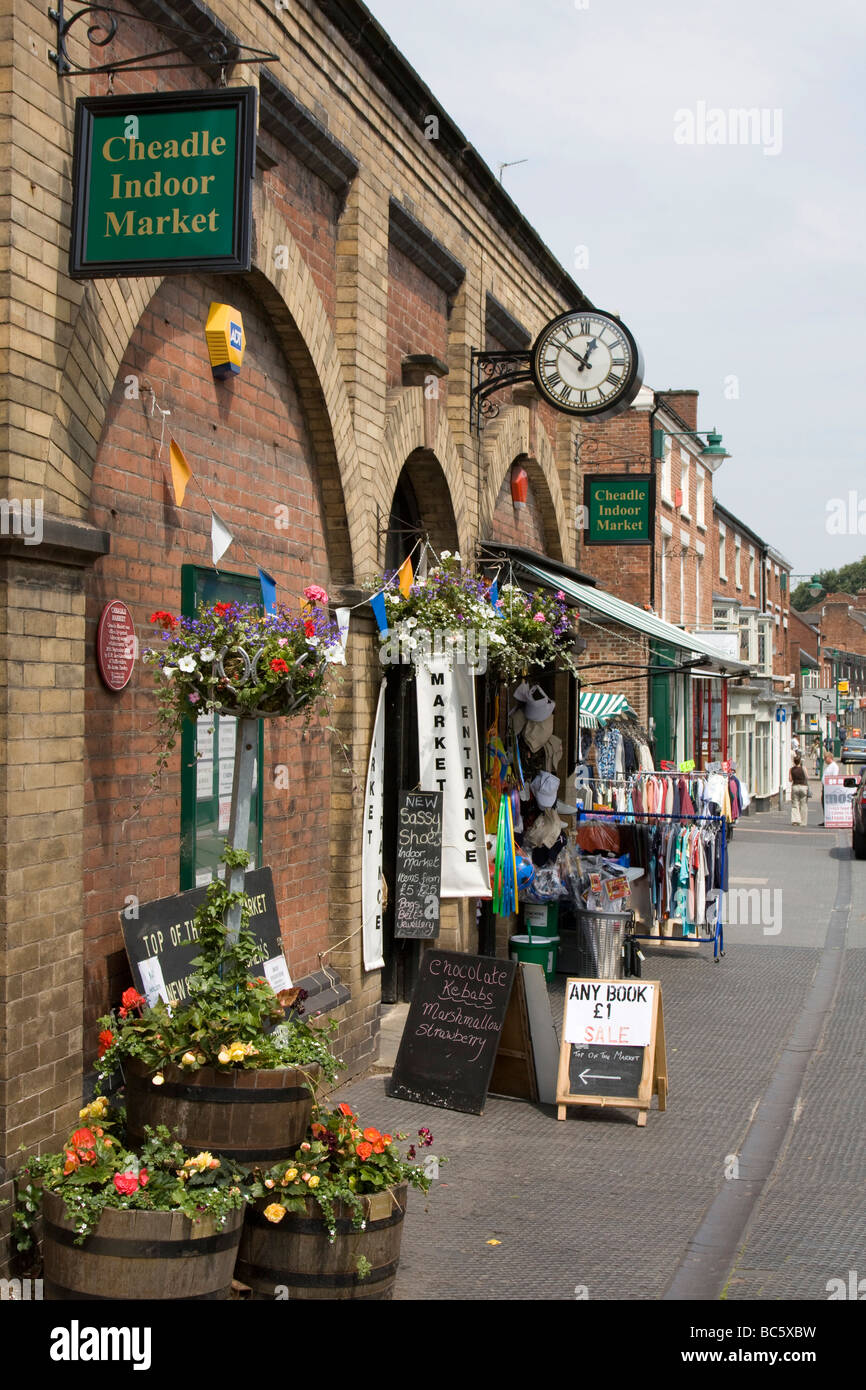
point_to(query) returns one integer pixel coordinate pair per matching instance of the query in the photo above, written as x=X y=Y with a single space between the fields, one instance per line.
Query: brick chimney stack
x=685 y=403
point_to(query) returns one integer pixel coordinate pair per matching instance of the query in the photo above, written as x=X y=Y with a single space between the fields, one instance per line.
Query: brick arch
x=106 y=321
x=408 y=437
x=503 y=443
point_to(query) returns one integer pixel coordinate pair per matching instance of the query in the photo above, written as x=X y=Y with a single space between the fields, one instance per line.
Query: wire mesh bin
x=599 y=938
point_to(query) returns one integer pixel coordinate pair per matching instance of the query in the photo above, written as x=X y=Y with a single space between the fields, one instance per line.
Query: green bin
x=535 y=950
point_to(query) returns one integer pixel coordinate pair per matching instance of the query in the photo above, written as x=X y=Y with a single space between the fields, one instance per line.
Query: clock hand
x=590 y=347
x=582 y=360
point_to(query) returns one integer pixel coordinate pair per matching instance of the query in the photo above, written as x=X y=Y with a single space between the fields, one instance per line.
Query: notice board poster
x=613 y=1045
x=419 y=864
x=839 y=802
x=452 y=1032
x=161 y=941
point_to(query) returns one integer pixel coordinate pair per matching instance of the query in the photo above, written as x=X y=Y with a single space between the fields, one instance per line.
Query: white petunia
x=445 y=555
x=168 y=671
x=187 y=664
x=207 y=653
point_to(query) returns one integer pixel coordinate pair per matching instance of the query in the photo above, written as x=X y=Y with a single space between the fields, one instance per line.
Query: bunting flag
x=269 y=591
x=406 y=576
x=422 y=562
x=494 y=592
x=220 y=537
x=377 y=603
x=180 y=471
x=342 y=616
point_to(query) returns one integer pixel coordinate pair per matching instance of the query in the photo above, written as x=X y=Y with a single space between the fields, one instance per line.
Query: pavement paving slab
x=595 y=1204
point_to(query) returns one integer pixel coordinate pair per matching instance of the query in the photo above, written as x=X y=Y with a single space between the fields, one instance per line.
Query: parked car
x=858 y=824
x=853 y=751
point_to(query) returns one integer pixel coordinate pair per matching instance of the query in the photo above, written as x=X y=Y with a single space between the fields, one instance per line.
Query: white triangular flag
x=220 y=537
x=337 y=653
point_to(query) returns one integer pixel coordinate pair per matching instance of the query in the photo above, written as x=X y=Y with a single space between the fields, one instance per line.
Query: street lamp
x=713 y=454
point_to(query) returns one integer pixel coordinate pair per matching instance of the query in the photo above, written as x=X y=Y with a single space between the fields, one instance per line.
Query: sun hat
x=545 y=787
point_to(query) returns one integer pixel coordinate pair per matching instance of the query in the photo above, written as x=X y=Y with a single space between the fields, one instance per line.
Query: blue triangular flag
x=494 y=592
x=377 y=603
x=269 y=591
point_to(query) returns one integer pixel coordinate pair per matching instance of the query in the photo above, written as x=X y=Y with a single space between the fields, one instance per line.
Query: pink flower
x=194 y=698
x=126 y=1183
x=539 y=618
x=315 y=594
x=560 y=595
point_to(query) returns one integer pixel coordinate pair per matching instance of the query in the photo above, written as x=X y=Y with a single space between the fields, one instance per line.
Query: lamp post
x=713 y=454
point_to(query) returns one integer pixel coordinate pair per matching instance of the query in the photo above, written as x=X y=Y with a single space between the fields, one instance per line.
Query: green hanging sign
x=619 y=509
x=162 y=183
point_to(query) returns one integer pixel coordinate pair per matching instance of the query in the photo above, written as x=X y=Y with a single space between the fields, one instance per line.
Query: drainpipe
x=652 y=592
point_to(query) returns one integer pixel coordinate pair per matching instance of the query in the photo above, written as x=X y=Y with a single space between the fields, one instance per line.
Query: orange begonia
x=364 y=1150
x=371 y=1135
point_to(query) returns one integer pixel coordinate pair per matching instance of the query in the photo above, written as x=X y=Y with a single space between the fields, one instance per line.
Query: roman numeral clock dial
x=587 y=363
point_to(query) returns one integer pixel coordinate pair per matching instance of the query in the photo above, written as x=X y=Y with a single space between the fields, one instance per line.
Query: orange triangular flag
x=180 y=471
x=407 y=576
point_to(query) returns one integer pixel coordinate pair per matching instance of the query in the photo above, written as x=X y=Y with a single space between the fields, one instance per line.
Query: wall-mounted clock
x=587 y=363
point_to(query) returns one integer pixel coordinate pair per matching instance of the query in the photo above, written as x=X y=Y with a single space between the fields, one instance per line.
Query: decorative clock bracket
x=492 y=372
x=214 y=49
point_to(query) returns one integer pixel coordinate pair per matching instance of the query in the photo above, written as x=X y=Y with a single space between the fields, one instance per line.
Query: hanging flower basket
x=451 y=614
x=231 y=659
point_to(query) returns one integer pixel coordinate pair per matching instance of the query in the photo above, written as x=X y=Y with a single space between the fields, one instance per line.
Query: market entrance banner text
x=449 y=762
x=371 y=854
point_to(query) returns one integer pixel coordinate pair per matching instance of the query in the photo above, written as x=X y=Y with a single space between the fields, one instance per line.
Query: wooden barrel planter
x=138 y=1254
x=252 y=1116
x=293 y=1258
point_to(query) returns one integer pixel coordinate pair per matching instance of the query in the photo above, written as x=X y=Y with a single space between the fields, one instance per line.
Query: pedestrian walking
x=799 y=792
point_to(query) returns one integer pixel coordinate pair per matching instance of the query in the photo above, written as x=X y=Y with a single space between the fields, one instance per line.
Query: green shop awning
x=597 y=707
x=616 y=610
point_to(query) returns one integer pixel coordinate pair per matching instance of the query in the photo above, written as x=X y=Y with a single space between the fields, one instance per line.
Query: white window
x=725 y=617
x=664 y=577
x=700 y=488
x=765 y=645
x=738 y=576
x=685 y=483
x=723 y=544
x=666 y=472
x=698 y=591
x=682 y=587
x=752 y=570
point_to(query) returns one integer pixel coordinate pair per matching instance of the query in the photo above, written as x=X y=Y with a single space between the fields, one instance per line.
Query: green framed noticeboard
x=208 y=751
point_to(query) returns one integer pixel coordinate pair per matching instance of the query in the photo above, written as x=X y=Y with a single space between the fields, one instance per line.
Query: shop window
x=206 y=780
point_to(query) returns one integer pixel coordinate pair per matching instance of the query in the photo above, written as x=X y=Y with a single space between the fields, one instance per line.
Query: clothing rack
x=718 y=937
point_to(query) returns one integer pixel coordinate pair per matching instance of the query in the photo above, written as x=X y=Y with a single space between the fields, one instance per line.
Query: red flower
x=164 y=619
x=363 y=1151
x=223 y=608
x=345 y=1109
x=121 y=1013
x=106 y=1038
x=126 y=1183
x=131 y=999
x=279 y=666
x=372 y=1135
x=142 y=1177
x=309 y=627
x=82 y=1139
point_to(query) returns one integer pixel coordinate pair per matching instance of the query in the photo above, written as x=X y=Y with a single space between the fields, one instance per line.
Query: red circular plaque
x=116 y=645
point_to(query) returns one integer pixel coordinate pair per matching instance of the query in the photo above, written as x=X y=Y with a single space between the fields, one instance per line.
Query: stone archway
x=507 y=441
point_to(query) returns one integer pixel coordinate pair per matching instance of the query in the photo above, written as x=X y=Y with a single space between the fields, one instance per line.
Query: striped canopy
x=596 y=708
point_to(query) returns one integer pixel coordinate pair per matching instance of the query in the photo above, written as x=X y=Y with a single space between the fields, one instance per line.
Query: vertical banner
x=449 y=762
x=371 y=854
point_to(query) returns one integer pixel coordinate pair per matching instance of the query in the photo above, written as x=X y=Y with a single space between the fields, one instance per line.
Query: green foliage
x=229 y=1018
x=339 y=1162
x=850 y=579
x=96 y=1171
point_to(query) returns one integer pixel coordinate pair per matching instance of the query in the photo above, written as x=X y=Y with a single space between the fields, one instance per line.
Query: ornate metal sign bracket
x=102 y=25
x=492 y=372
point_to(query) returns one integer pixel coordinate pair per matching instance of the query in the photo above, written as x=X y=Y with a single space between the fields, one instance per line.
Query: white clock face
x=586 y=363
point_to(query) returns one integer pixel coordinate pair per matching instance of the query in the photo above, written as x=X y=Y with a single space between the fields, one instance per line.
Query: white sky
x=723 y=260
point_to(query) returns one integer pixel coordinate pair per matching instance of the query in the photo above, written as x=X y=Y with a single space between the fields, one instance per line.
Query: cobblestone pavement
x=595 y=1202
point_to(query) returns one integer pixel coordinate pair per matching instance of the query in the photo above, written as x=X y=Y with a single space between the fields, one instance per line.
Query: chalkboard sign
x=452 y=1033
x=419 y=864
x=613 y=1046
x=161 y=944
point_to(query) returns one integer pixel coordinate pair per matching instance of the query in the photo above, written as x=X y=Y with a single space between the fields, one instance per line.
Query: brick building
x=841 y=622
x=384 y=251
